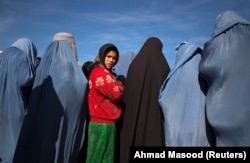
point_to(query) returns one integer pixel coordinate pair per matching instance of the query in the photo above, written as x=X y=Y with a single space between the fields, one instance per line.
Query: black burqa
x=142 y=120
x=225 y=66
x=54 y=128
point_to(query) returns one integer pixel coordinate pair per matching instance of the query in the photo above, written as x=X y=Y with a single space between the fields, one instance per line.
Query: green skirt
x=101 y=143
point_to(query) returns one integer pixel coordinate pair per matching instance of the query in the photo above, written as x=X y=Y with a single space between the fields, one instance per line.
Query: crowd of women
x=52 y=110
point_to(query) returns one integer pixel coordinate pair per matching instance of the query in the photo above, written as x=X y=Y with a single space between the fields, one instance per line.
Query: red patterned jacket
x=104 y=98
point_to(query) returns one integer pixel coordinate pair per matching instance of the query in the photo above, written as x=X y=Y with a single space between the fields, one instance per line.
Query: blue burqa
x=17 y=71
x=54 y=129
x=182 y=100
x=225 y=66
x=121 y=68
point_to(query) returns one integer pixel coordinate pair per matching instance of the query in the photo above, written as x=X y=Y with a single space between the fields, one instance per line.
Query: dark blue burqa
x=182 y=100
x=17 y=72
x=54 y=128
x=225 y=66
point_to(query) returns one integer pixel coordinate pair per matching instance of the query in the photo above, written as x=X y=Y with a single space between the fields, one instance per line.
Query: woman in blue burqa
x=121 y=68
x=54 y=128
x=182 y=100
x=17 y=72
x=225 y=67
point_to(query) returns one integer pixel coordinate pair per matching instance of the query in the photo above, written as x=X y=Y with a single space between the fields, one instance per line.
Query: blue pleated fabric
x=225 y=67
x=121 y=68
x=54 y=128
x=17 y=72
x=183 y=101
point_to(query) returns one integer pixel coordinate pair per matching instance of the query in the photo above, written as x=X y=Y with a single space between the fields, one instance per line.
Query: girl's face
x=110 y=59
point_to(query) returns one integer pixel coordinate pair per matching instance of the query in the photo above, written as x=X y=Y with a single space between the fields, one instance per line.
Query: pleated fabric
x=17 y=72
x=225 y=68
x=182 y=100
x=53 y=130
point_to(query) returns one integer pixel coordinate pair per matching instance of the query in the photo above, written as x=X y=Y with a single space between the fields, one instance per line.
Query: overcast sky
x=126 y=23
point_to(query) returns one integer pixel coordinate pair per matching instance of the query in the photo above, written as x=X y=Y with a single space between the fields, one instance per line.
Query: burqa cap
x=65 y=36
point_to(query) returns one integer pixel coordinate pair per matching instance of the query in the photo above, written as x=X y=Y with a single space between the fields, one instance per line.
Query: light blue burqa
x=225 y=66
x=121 y=68
x=54 y=128
x=182 y=100
x=17 y=71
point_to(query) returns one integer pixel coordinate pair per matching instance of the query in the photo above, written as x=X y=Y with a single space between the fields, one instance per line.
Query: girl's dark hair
x=85 y=68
